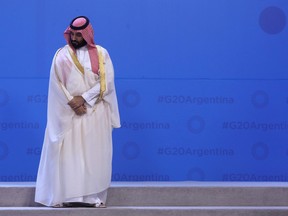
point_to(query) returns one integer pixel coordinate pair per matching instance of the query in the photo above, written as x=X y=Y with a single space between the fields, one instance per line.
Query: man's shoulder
x=60 y=53
x=101 y=48
x=61 y=49
x=103 y=51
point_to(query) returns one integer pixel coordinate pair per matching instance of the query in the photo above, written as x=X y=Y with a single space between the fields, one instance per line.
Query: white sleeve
x=92 y=94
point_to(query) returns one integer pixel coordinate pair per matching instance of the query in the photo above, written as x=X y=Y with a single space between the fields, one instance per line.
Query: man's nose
x=73 y=37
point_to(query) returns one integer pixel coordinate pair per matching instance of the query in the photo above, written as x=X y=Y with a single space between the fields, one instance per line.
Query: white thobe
x=76 y=158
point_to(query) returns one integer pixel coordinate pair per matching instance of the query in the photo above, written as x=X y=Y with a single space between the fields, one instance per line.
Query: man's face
x=77 y=40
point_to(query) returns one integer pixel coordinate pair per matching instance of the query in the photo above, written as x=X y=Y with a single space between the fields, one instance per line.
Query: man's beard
x=78 y=45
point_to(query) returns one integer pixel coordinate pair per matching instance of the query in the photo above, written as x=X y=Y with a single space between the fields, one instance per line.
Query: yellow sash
x=75 y=60
x=102 y=74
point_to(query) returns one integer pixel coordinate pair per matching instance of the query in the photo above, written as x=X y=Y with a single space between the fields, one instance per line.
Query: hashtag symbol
x=225 y=125
x=160 y=151
x=160 y=99
x=29 y=151
x=30 y=99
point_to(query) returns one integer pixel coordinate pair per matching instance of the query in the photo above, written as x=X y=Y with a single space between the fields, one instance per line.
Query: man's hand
x=81 y=110
x=77 y=104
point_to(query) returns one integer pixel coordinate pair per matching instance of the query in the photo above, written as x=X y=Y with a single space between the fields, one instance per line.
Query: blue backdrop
x=202 y=85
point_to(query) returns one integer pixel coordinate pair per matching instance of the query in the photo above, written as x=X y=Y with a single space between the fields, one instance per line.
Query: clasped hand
x=77 y=105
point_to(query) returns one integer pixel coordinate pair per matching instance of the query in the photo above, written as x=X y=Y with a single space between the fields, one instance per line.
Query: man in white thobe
x=76 y=158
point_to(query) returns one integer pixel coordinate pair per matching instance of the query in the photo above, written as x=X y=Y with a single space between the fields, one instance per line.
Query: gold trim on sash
x=102 y=74
x=75 y=60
